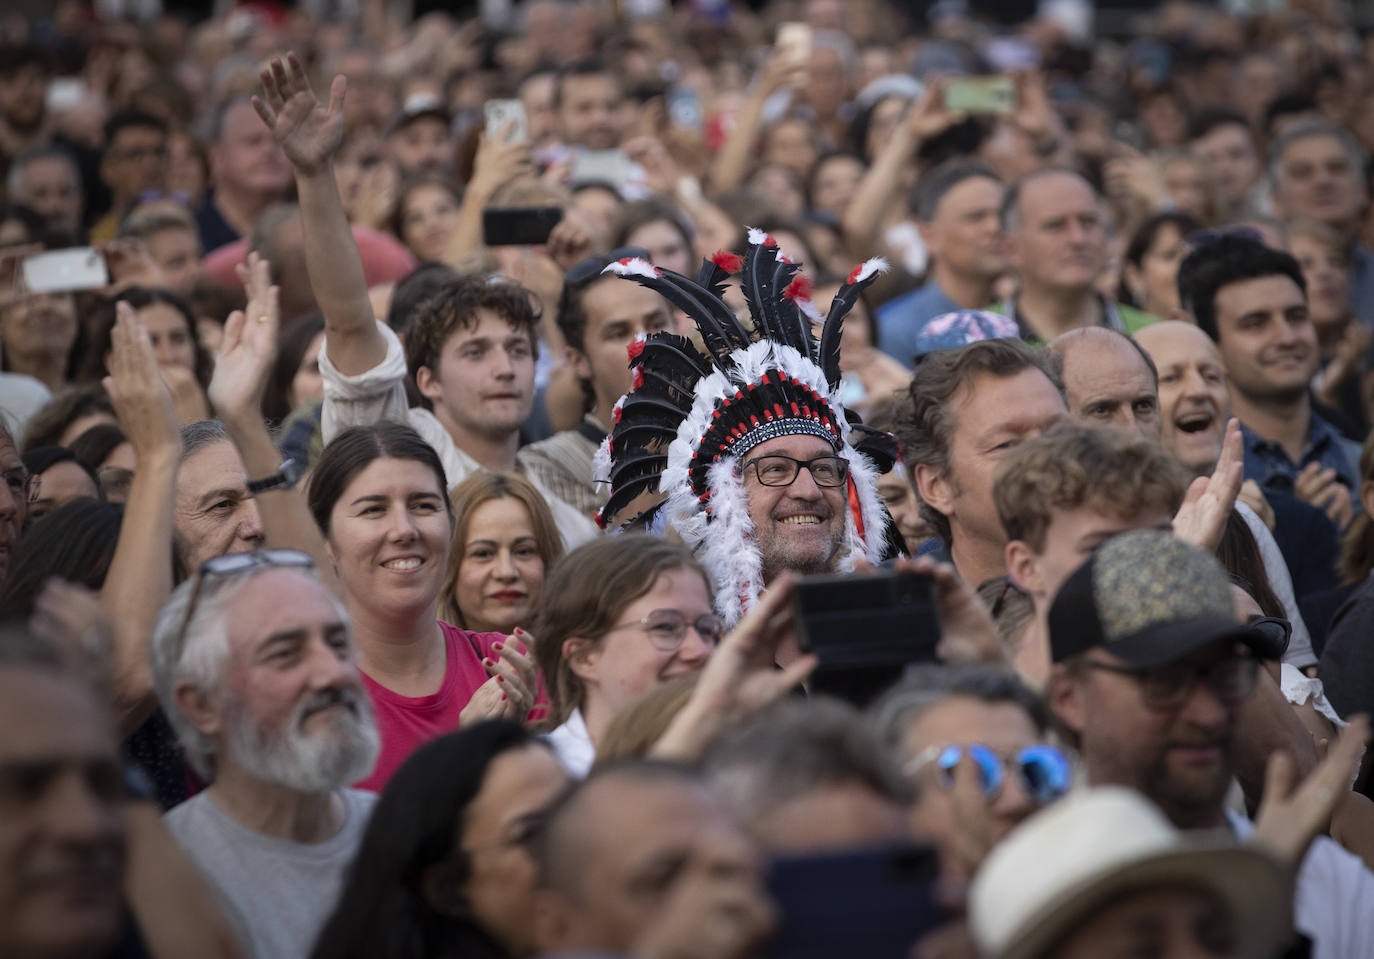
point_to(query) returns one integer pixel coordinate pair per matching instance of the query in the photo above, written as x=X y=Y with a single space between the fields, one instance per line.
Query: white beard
x=308 y=763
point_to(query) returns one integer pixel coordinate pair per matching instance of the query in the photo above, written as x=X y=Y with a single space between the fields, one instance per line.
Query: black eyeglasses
x=238 y=563
x=593 y=265
x=1168 y=687
x=779 y=470
x=667 y=628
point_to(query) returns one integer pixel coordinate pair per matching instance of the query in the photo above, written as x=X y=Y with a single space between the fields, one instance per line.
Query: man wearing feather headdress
x=747 y=446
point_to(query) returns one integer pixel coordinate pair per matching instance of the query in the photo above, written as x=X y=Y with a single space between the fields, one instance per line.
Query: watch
x=286 y=476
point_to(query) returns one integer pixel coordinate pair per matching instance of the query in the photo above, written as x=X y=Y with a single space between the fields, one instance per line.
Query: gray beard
x=316 y=763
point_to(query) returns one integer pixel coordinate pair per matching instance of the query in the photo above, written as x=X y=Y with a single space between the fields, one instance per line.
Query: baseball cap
x=1088 y=851
x=949 y=331
x=1149 y=598
x=417 y=106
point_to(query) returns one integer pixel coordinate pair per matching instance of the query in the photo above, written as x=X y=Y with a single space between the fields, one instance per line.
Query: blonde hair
x=634 y=730
x=467 y=497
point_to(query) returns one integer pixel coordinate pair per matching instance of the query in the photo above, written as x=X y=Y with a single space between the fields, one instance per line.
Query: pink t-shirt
x=408 y=722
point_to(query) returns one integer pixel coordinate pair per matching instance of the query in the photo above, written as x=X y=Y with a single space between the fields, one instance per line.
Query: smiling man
x=744 y=451
x=1252 y=301
x=256 y=670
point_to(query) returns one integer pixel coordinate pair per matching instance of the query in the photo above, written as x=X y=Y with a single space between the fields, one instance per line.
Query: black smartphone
x=874 y=903
x=519 y=225
x=865 y=629
x=885 y=618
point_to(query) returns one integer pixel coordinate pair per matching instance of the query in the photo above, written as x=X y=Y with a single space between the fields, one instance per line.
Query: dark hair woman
x=379 y=496
x=443 y=871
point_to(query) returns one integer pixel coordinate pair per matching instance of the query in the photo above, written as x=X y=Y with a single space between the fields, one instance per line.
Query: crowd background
x=186 y=461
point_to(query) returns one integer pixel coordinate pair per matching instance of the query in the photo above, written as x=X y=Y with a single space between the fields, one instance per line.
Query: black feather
x=720 y=331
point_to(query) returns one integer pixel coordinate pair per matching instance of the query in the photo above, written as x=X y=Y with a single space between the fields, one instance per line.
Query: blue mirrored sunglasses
x=1045 y=772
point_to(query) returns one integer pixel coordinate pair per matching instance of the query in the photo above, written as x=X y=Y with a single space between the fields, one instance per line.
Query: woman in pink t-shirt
x=379 y=496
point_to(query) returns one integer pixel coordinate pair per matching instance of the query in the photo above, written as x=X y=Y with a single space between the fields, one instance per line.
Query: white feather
x=757 y=237
x=876 y=265
x=635 y=266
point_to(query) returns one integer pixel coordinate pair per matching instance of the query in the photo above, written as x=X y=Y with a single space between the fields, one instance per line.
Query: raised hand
x=740 y=675
x=1209 y=500
x=928 y=117
x=249 y=346
x=308 y=132
x=1293 y=814
x=1323 y=489
x=141 y=399
x=498 y=162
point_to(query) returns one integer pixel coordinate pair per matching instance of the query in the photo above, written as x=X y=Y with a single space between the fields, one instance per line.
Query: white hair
x=196 y=655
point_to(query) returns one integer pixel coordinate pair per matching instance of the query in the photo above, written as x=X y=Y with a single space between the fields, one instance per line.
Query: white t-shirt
x=573 y=745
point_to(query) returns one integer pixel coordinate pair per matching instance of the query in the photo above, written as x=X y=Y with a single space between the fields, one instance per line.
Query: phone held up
x=519 y=225
x=985 y=95
x=65 y=271
x=501 y=114
x=865 y=629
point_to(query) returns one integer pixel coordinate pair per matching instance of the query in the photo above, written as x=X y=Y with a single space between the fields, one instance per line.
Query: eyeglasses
x=1168 y=687
x=238 y=563
x=1045 y=772
x=667 y=628
x=779 y=470
x=591 y=267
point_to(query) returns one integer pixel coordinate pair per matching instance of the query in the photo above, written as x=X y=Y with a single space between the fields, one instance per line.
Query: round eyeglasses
x=667 y=628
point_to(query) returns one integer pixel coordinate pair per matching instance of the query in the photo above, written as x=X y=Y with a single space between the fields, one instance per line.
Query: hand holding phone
x=519 y=225
x=65 y=271
x=985 y=95
x=794 y=43
x=506 y=121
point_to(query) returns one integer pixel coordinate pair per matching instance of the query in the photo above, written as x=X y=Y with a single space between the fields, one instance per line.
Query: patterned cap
x=1147 y=597
x=949 y=331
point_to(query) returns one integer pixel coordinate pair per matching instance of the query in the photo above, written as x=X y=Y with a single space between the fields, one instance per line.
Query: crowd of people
x=426 y=433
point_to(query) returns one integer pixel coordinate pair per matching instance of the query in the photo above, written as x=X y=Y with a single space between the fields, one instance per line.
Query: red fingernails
x=500 y=679
x=497 y=646
x=503 y=697
x=489 y=663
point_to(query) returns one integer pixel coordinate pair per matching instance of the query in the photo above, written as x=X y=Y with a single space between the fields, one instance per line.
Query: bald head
x=1193 y=397
x=1108 y=380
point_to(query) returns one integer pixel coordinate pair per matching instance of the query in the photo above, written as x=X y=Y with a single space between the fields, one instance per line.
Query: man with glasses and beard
x=1151 y=671
x=255 y=667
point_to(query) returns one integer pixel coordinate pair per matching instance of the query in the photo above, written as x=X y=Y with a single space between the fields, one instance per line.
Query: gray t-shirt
x=277 y=894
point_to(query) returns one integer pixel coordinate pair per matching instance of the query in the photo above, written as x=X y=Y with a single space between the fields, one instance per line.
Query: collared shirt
x=1268 y=464
x=1362 y=284
x=900 y=320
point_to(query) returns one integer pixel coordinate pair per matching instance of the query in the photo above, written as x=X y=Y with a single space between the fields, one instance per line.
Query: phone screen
x=500 y=113
x=981 y=95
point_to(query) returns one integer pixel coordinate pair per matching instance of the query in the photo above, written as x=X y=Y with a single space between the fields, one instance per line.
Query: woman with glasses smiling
x=618 y=617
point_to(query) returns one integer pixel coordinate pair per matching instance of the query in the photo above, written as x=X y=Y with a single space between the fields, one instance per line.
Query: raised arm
x=241 y=374
x=878 y=190
x=309 y=134
x=140 y=576
x=736 y=156
x=496 y=163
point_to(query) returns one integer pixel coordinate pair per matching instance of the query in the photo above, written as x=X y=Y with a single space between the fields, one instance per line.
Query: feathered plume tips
x=762 y=280
x=758 y=238
x=632 y=266
x=720 y=331
x=716 y=271
x=858 y=281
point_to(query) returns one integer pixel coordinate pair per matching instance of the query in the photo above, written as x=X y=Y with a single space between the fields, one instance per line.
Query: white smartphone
x=794 y=40
x=64 y=271
x=601 y=166
x=498 y=113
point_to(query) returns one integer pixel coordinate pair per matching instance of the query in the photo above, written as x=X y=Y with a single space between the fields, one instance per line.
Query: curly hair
x=1119 y=472
x=455 y=307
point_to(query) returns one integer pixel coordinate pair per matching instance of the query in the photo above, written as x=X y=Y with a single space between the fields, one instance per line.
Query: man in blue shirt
x=956 y=206
x=1252 y=301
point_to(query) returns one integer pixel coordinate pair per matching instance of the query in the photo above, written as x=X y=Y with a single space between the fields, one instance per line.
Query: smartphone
x=884 y=618
x=498 y=113
x=64 y=271
x=601 y=166
x=519 y=225
x=981 y=95
x=875 y=903
x=794 y=41
x=684 y=108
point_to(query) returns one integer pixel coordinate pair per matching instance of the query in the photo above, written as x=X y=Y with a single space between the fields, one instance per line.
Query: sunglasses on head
x=1045 y=772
